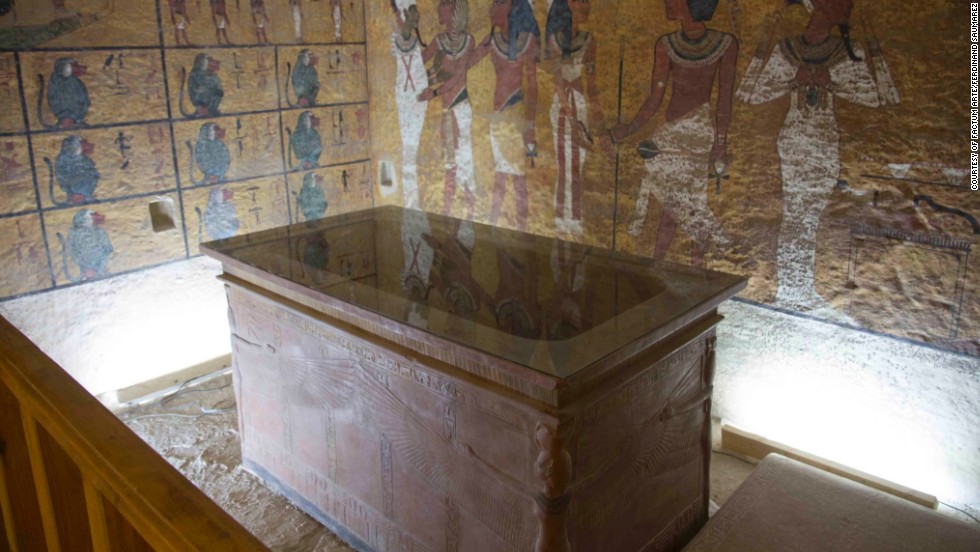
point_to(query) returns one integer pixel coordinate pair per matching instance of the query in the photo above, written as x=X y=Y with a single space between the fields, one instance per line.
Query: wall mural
x=814 y=145
x=130 y=132
x=817 y=146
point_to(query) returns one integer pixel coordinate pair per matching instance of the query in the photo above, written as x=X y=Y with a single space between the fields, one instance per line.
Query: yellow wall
x=917 y=284
x=140 y=135
x=899 y=286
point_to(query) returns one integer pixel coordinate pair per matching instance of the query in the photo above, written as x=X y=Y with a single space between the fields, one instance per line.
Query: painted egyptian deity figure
x=814 y=69
x=512 y=45
x=688 y=145
x=450 y=54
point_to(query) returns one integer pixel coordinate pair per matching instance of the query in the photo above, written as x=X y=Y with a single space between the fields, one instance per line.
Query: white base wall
x=900 y=411
x=128 y=329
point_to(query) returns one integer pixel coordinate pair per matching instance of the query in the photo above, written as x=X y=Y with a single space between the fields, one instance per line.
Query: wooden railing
x=74 y=477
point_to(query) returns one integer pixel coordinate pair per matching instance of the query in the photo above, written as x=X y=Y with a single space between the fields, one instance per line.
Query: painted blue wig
x=559 y=23
x=702 y=10
x=520 y=20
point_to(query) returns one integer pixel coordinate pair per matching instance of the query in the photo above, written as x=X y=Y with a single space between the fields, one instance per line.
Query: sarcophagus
x=416 y=382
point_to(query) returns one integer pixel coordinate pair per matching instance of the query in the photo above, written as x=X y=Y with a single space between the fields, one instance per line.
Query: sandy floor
x=196 y=430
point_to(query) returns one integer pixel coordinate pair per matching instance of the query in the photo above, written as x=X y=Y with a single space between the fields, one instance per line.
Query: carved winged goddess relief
x=451 y=467
x=318 y=382
x=656 y=445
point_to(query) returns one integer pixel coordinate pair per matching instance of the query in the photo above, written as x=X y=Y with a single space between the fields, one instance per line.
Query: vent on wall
x=386 y=178
x=162 y=214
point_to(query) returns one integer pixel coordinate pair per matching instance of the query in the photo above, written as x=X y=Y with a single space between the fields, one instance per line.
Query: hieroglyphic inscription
x=287 y=426
x=452 y=525
x=449 y=421
x=680 y=530
x=368 y=524
x=627 y=393
x=498 y=410
x=387 y=480
x=315 y=487
x=373 y=355
x=442 y=353
x=380 y=358
x=330 y=428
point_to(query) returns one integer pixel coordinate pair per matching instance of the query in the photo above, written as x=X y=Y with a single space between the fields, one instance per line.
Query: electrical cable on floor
x=964 y=512
x=164 y=414
x=181 y=391
x=735 y=456
x=204 y=412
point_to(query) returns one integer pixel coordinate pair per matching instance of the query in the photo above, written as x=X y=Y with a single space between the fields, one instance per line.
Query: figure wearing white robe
x=677 y=177
x=417 y=252
x=410 y=81
x=566 y=126
x=808 y=147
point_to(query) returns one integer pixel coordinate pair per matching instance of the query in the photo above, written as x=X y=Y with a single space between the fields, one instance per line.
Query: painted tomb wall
x=130 y=132
x=833 y=170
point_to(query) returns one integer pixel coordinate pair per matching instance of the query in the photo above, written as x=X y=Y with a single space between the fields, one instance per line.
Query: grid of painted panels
x=142 y=128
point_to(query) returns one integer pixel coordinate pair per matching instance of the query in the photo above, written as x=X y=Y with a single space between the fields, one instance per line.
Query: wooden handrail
x=95 y=484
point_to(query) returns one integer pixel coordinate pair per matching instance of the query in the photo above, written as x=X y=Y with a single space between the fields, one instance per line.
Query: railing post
x=40 y=481
x=96 y=516
x=5 y=506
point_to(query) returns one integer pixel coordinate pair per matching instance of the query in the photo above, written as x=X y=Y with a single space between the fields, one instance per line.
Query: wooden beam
x=757 y=447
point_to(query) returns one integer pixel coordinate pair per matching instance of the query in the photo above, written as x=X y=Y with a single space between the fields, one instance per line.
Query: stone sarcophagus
x=417 y=382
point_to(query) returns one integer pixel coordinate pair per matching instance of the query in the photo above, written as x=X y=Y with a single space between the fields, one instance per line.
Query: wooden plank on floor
x=758 y=447
x=173 y=379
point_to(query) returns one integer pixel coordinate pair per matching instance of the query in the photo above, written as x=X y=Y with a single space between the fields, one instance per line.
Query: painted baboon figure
x=450 y=54
x=219 y=15
x=220 y=219
x=304 y=78
x=180 y=20
x=687 y=147
x=66 y=93
x=203 y=87
x=210 y=154
x=513 y=45
x=312 y=201
x=304 y=142
x=260 y=19
x=74 y=170
x=87 y=245
x=813 y=69
x=315 y=256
